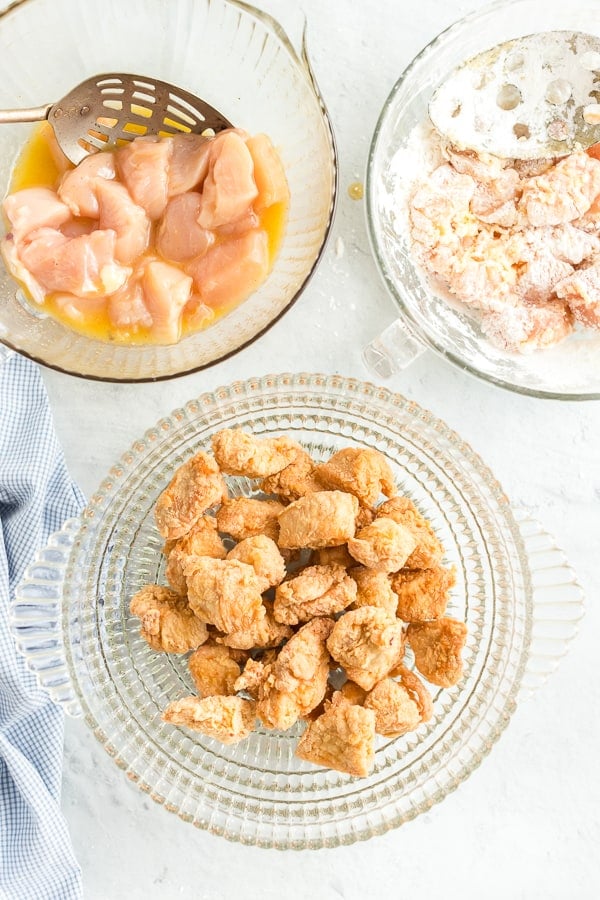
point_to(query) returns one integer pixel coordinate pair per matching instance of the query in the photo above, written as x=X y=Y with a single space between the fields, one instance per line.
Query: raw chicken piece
x=188 y=163
x=78 y=188
x=363 y=472
x=320 y=519
x=564 y=193
x=367 y=642
x=294 y=480
x=527 y=328
x=228 y=719
x=437 y=647
x=240 y=453
x=269 y=173
x=179 y=236
x=126 y=307
x=197 y=314
x=581 y=291
x=262 y=553
x=166 y=291
x=243 y=517
x=10 y=255
x=423 y=594
x=143 y=166
x=196 y=486
x=403 y=511
x=224 y=593
x=168 y=623
x=395 y=710
x=239 y=226
x=343 y=738
x=31 y=209
x=229 y=188
x=201 y=540
x=229 y=272
x=213 y=670
x=265 y=632
x=77 y=309
x=315 y=591
x=383 y=545
x=128 y=220
x=374 y=589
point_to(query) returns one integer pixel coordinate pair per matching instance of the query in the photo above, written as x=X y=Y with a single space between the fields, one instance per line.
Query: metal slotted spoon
x=115 y=108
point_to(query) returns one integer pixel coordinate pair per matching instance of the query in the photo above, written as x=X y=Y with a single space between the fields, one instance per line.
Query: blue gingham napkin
x=36 y=496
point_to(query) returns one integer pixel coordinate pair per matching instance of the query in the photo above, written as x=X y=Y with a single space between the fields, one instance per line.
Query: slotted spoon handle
x=33 y=114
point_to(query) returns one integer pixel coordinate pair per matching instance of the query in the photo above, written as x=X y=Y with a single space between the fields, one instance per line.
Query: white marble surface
x=527 y=823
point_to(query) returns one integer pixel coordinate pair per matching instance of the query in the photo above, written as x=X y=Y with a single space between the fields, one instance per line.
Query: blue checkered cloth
x=36 y=496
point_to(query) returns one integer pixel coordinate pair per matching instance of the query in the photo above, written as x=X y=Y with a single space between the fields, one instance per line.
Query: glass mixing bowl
x=238 y=60
x=569 y=371
x=514 y=590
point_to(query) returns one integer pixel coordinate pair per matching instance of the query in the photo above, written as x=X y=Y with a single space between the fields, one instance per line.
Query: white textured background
x=527 y=823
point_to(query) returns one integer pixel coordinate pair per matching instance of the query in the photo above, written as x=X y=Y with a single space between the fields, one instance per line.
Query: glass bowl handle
x=393 y=350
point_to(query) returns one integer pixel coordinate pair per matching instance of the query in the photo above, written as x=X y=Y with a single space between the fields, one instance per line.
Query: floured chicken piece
x=581 y=293
x=343 y=738
x=227 y=719
x=362 y=472
x=526 y=328
x=264 y=632
x=295 y=480
x=224 y=592
x=383 y=545
x=429 y=550
x=240 y=453
x=423 y=593
x=367 y=642
x=196 y=486
x=437 y=647
x=395 y=711
x=168 y=623
x=201 y=540
x=214 y=670
x=374 y=588
x=243 y=517
x=262 y=553
x=320 y=519
x=316 y=591
x=564 y=192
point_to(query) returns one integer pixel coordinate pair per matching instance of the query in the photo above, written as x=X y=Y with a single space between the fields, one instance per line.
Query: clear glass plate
x=514 y=590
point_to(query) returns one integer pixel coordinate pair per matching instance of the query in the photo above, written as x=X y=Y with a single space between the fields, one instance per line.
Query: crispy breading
x=334 y=556
x=363 y=472
x=315 y=591
x=244 y=517
x=374 y=589
x=228 y=719
x=423 y=594
x=252 y=677
x=265 y=632
x=224 y=592
x=296 y=480
x=168 y=623
x=417 y=690
x=240 y=453
x=395 y=710
x=429 y=550
x=353 y=692
x=321 y=519
x=201 y=540
x=343 y=738
x=365 y=517
x=383 y=545
x=263 y=555
x=367 y=643
x=438 y=647
x=195 y=487
x=213 y=670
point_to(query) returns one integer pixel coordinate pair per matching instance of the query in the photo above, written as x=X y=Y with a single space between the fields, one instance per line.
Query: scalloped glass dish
x=514 y=590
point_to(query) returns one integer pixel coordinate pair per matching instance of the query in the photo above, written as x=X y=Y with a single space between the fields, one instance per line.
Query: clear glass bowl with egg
x=238 y=60
x=427 y=321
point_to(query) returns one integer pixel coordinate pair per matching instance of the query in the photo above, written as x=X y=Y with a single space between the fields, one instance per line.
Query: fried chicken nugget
x=213 y=670
x=423 y=594
x=296 y=480
x=334 y=556
x=383 y=545
x=243 y=517
x=316 y=591
x=265 y=632
x=228 y=719
x=367 y=643
x=374 y=589
x=321 y=519
x=417 y=690
x=263 y=555
x=224 y=592
x=353 y=693
x=437 y=647
x=343 y=738
x=363 y=472
x=429 y=550
x=253 y=675
x=201 y=540
x=395 y=710
x=168 y=623
x=196 y=486
x=240 y=453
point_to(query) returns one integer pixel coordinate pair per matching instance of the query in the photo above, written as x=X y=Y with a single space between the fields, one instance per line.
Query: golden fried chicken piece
x=168 y=623
x=367 y=643
x=334 y=556
x=374 y=589
x=343 y=738
x=263 y=555
x=213 y=670
x=252 y=677
x=240 y=453
x=243 y=518
x=429 y=550
x=224 y=592
x=363 y=472
x=423 y=594
x=316 y=591
x=416 y=689
x=265 y=632
x=365 y=517
x=228 y=719
x=196 y=486
x=383 y=545
x=202 y=540
x=296 y=682
x=437 y=647
x=353 y=693
x=321 y=519
x=395 y=710
x=296 y=480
